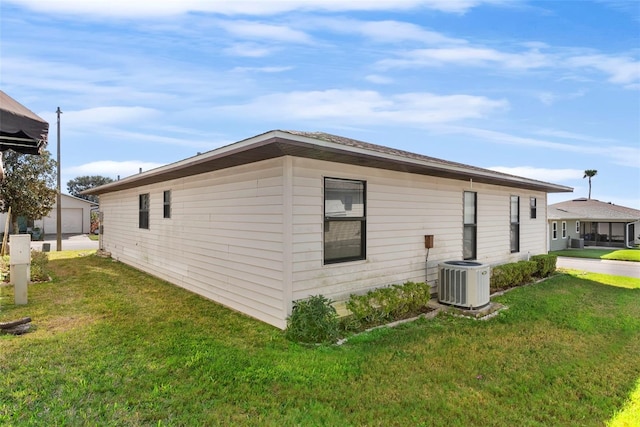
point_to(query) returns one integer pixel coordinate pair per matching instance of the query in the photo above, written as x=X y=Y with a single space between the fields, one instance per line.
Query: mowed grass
x=114 y=346
x=610 y=254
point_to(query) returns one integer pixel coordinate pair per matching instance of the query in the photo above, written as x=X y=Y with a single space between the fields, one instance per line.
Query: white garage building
x=76 y=217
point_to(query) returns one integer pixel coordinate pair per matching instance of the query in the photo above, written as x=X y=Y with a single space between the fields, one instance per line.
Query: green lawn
x=611 y=254
x=113 y=346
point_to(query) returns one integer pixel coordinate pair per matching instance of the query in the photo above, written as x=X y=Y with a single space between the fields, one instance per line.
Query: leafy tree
x=29 y=185
x=81 y=183
x=590 y=173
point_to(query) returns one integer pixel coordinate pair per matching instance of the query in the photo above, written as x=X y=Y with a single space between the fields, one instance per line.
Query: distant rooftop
x=592 y=210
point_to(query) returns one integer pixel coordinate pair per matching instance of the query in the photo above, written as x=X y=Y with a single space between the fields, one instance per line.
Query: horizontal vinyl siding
x=223 y=240
x=401 y=209
x=494 y=233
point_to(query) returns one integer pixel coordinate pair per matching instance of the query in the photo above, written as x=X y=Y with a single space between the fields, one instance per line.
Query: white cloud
x=111 y=168
x=164 y=8
x=620 y=155
x=378 y=79
x=621 y=69
x=265 y=32
x=572 y=135
x=248 y=50
x=541 y=174
x=371 y=106
x=550 y=98
x=261 y=69
x=194 y=141
x=547 y=98
x=468 y=56
x=384 y=31
x=101 y=116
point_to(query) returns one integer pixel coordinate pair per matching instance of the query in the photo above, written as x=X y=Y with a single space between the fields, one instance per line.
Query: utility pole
x=59 y=197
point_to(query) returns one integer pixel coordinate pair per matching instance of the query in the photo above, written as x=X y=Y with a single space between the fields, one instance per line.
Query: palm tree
x=590 y=173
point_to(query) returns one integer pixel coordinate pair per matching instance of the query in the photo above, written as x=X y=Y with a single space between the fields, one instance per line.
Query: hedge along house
x=263 y=222
x=589 y=222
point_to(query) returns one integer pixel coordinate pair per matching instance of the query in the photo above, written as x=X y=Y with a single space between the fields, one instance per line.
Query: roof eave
x=279 y=143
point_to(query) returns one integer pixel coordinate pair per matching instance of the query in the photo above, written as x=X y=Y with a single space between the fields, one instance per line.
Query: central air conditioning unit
x=464 y=284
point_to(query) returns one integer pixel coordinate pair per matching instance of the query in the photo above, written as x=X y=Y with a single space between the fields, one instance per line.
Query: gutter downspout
x=626 y=236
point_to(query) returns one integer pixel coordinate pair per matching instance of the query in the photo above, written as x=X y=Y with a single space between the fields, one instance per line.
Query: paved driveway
x=617 y=268
x=70 y=242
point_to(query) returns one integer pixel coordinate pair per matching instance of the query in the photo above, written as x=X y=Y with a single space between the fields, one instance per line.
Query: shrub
x=387 y=304
x=546 y=264
x=512 y=274
x=39 y=266
x=313 y=320
x=4 y=267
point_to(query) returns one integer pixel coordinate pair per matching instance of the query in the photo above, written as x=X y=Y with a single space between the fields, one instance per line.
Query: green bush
x=546 y=264
x=387 y=304
x=512 y=274
x=313 y=320
x=39 y=266
x=39 y=269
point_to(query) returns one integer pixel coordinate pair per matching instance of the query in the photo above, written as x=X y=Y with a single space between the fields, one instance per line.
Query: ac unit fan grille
x=453 y=286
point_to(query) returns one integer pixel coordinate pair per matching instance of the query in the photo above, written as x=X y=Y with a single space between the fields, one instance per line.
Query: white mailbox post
x=20 y=265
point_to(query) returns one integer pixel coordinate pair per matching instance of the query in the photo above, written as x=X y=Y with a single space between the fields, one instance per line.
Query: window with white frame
x=578 y=228
x=564 y=229
x=554 y=230
x=344 y=220
x=470 y=225
x=515 y=223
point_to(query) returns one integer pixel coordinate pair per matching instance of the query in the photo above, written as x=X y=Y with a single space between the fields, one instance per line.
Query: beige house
x=284 y=215
x=589 y=222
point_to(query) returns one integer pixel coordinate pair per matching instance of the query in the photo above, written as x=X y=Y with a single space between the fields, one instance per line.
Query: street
x=617 y=268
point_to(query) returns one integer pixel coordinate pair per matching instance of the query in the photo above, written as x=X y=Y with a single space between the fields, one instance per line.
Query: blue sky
x=543 y=89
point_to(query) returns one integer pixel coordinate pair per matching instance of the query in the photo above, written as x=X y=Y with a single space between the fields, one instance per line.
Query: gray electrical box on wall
x=428 y=241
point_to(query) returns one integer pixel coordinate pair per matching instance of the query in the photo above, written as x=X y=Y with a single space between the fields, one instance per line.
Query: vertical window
x=554 y=230
x=470 y=225
x=515 y=224
x=344 y=220
x=166 y=207
x=578 y=228
x=533 y=208
x=143 y=211
x=564 y=229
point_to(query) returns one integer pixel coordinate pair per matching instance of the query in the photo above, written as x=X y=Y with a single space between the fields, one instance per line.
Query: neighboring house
x=278 y=217
x=589 y=222
x=75 y=217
